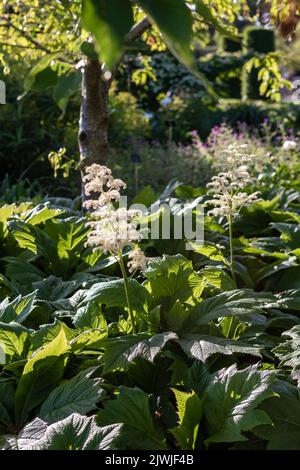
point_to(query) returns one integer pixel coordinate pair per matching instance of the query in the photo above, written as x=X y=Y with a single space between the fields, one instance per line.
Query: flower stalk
x=228 y=192
x=231 y=259
x=126 y=289
x=112 y=229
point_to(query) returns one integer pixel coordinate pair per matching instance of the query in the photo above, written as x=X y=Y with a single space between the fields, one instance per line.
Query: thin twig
x=26 y=35
x=6 y=44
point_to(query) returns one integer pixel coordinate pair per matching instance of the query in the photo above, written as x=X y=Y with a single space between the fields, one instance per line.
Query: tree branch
x=137 y=30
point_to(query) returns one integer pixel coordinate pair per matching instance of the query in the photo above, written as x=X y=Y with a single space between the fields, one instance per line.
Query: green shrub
x=203 y=118
x=127 y=120
x=226 y=44
x=257 y=41
x=151 y=163
x=30 y=128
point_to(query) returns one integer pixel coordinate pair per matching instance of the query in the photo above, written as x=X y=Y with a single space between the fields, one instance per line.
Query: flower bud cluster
x=227 y=187
x=112 y=229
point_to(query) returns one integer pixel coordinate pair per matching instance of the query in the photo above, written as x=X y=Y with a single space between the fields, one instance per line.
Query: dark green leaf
x=231 y=405
x=139 y=431
x=77 y=395
x=121 y=351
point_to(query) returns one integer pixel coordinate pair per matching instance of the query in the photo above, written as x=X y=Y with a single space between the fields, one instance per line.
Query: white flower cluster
x=227 y=187
x=137 y=260
x=289 y=145
x=100 y=182
x=112 y=229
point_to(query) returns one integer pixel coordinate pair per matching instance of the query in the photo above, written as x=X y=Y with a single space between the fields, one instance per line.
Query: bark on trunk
x=93 y=122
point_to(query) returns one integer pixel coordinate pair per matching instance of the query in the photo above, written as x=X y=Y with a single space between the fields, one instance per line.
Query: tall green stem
x=126 y=289
x=231 y=248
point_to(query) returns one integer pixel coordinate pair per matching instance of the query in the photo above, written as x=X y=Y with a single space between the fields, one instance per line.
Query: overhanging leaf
x=175 y=22
x=66 y=86
x=109 y=22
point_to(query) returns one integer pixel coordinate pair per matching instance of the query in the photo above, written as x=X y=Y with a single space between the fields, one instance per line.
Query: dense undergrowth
x=213 y=365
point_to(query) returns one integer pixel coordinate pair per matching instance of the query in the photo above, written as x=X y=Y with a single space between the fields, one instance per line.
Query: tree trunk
x=93 y=122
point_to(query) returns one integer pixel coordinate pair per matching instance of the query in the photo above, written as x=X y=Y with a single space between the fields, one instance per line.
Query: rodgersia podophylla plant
x=112 y=229
x=228 y=187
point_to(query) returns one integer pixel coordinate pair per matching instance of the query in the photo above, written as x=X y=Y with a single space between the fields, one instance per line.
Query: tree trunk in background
x=93 y=123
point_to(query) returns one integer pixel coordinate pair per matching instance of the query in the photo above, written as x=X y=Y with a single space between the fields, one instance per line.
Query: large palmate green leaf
x=190 y=411
x=41 y=213
x=175 y=318
x=66 y=86
x=216 y=278
x=150 y=377
x=132 y=409
x=90 y=316
x=41 y=75
x=199 y=377
x=33 y=239
x=53 y=288
x=5 y=213
x=273 y=268
x=231 y=404
x=77 y=395
x=284 y=432
x=22 y=271
x=68 y=307
x=69 y=235
x=239 y=302
x=202 y=347
x=290 y=233
x=76 y=432
x=14 y=342
x=109 y=22
x=209 y=250
x=7 y=397
x=60 y=242
x=89 y=341
x=173 y=278
x=112 y=294
x=121 y=351
x=289 y=300
x=18 y=309
x=48 y=332
x=42 y=372
x=289 y=350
